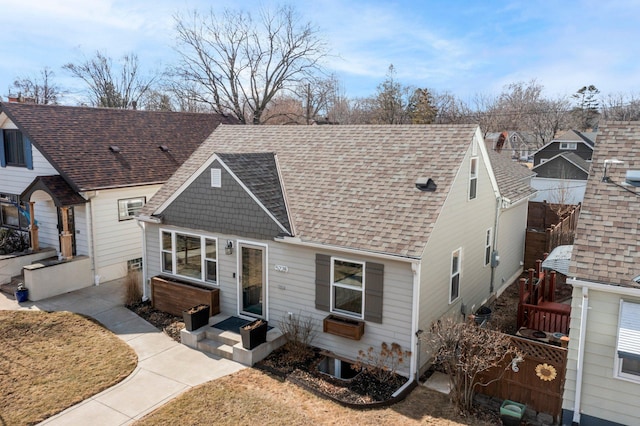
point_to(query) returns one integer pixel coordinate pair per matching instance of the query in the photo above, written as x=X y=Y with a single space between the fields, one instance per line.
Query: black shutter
x=374 y=276
x=323 y=282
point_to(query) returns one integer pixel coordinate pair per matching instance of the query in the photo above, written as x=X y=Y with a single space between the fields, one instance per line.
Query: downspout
x=415 y=333
x=579 y=367
x=91 y=243
x=494 y=245
x=142 y=225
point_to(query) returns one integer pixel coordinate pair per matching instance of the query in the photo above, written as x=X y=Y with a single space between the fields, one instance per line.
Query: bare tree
x=239 y=65
x=108 y=86
x=465 y=352
x=621 y=107
x=451 y=110
x=41 y=88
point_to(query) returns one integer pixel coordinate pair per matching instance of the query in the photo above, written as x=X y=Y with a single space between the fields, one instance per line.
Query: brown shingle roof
x=76 y=141
x=350 y=186
x=606 y=248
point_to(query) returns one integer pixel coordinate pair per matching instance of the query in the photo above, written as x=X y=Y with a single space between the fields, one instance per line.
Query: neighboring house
x=390 y=227
x=562 y=167
x=514 y=184
x=520 y=145
x=85 y=172
x=602 y=385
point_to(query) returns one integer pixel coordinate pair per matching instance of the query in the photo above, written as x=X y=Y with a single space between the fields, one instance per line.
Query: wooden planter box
x=196 y=317
x=345 y=327
x=173 y=297
x=254 y=334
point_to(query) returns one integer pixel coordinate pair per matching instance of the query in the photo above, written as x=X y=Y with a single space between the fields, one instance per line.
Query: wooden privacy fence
x=539 y=381
x=543 y=236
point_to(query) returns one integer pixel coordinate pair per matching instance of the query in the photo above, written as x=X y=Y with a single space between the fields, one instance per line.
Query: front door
x=71 y=226
x=252 y=280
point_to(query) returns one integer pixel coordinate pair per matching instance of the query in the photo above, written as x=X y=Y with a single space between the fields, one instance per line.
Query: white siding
x=512 y=227
x=294 y=291
x=603 y=395
x=565 y=191
x=461 y=223
x=115 y=241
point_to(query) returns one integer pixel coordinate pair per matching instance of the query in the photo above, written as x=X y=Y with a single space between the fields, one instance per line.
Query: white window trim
x=543 y=160
x=473 y=176
x=617 y=372
x=487 y=246
x=126 y=201
x=453 y=274
x=350 y=287
x=568 y=146
x=203 y=256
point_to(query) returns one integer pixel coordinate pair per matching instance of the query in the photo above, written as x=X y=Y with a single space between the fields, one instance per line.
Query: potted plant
x=196 y=317
x=254 y=333
x=22 y=293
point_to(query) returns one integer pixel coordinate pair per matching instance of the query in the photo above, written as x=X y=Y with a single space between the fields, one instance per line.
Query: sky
x=464 y=47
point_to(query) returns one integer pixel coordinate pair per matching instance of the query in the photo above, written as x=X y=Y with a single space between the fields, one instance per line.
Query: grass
x=50 y=361
x=253 y=397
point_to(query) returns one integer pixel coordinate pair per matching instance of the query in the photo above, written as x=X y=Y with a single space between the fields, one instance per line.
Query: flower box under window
x=344 y=327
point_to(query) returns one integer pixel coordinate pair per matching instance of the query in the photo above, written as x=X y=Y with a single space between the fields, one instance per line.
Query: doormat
x=233 y=324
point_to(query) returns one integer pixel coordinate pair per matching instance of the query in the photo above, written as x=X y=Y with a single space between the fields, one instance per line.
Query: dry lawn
x=50 y=361
x=253 y=397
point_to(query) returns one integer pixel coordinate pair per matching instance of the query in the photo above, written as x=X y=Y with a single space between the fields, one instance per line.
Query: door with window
x=252 y=280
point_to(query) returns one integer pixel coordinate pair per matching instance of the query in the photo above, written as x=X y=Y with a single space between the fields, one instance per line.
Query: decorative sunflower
x=546 y=372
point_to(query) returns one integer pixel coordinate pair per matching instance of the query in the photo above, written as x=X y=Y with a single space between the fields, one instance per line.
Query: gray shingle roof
x=76 y=141
x=512 y=177
x=606 y=248
x=259 y=172
x=350 y=186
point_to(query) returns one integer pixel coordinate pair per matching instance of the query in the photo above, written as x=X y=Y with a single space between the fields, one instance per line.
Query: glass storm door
x=252 y=280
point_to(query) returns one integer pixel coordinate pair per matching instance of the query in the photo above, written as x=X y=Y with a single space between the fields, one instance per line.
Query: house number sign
x=281 y=268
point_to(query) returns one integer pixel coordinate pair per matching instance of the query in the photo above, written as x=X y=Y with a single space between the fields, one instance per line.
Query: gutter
x=414 y=369
x=299 y=242
x=148 y=218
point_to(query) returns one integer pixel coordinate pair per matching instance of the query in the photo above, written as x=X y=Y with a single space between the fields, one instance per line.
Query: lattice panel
x=542 y=351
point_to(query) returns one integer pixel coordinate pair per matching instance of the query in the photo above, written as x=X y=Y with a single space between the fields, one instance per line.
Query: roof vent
x=114 y=148
x=426 y=184
x=164 y=148
x=633 y=178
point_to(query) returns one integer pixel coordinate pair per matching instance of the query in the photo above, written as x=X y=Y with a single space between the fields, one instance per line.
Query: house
x=80 y=174
x=383 y=228
x=562 y=167
x=514 y=185
x=602 y=385
x=519 y=144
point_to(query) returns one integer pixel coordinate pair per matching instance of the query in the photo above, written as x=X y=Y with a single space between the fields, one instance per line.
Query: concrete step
x=223 y=336
x=216 y=348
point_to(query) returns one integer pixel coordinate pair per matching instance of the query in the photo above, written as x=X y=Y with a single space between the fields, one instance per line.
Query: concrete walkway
x=165 y=368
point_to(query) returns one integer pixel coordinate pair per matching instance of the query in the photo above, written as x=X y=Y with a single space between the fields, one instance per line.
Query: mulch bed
x=168 y=323
x=363 y=391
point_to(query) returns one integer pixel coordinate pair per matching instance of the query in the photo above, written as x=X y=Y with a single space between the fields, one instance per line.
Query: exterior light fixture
x=229 y=248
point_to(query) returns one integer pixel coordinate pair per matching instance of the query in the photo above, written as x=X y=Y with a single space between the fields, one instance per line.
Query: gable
x=561 y=167
x=229 y=209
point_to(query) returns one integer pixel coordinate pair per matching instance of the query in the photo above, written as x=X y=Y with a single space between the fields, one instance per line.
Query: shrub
x=384 y=364
x=12 y=241
x=299 y=332
x=464 y=351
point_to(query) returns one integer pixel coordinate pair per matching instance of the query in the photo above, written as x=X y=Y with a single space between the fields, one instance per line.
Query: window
x=128 y=208
x=454 y=290
x=15 y=150
x=487 y=248
x=347 y=287
x=216 y=178
x=134 y=264
x=628 y=346
x=190 y=256
x=569 y=145
x=10 y=213
x=473 y=178
x=543 y=160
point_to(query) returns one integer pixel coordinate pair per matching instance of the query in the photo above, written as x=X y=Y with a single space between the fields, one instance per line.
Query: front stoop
x=227 y=344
